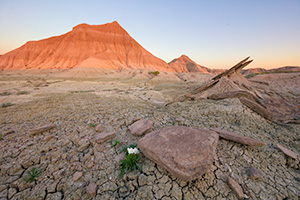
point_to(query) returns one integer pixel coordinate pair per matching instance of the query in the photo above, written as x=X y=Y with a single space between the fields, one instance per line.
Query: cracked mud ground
x=70 y=148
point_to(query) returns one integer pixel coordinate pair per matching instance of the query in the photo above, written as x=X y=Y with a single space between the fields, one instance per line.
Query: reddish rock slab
x=228 y=135
x=41 y=129
x=140 y=127
x=77 y=176
x=256 y=108
x=91 y=189
x=237 y=189
x=287 y=151
x=102 y=137
x=185 y=152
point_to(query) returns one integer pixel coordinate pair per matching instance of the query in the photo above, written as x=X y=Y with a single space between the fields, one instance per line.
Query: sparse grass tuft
x=92 y=125
x=132 y=160
x=5 y=93
x=23 y=93
x=82 y=91
x=114 y=143
x=6 y=105
x=1 y=138
x=297 y=118
x=155 y=73
x=32 y=175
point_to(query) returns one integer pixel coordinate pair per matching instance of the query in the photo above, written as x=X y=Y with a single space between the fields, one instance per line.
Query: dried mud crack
x=69 y=148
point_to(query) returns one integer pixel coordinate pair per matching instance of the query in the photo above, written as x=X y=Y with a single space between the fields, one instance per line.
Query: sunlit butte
x=214 y=34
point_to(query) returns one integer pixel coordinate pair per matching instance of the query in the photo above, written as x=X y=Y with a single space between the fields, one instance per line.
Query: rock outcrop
x=185 y=152
x=98 y=46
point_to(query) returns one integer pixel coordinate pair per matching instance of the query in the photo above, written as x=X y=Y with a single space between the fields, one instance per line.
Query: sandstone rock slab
x=228 y=135
x=287 y=151
x=91 y=189
x=185 y=152
x=237 y=189
x=41 y=129
x=256 y=108
x=77 y=176
x=102 y=137
x=140 y=127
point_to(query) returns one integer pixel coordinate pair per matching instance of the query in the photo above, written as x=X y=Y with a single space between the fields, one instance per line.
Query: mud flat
x=71 y=161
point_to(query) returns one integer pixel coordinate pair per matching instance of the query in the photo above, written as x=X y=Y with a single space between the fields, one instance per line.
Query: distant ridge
x=99 y=46
x=275 y=70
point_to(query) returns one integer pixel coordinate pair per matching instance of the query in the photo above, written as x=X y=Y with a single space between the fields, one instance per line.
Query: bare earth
x=116 y=100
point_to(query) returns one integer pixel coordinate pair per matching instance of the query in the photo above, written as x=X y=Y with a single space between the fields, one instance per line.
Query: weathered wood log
x=256 y=108
x=41 y=129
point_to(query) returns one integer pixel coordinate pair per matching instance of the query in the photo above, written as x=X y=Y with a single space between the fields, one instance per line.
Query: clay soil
x=116 y=100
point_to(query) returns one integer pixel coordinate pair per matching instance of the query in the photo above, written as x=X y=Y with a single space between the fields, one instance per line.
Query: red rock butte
x=185 y=64
x=99 y=46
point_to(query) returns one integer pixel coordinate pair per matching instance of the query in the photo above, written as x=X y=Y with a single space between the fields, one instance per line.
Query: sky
x=213 y=33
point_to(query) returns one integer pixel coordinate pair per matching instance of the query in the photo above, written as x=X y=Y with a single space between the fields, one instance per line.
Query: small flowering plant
x=132 y=160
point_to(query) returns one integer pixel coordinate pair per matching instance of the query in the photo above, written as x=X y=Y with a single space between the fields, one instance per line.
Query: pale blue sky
x=213 y=33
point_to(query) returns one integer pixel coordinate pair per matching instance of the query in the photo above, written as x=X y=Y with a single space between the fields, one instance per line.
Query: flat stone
x=77 y=176
x=99 y=128
x=185 y=152
x=102 y=137
x=41 y=129
x=140 y=127
x=47 y=138
x=255 y=173
x=287 y=151
x=232 y=136
x=237 y=189
x=91 y=189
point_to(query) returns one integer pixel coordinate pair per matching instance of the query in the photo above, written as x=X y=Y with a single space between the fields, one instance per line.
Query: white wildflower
x=136 y=151
x=130 y=150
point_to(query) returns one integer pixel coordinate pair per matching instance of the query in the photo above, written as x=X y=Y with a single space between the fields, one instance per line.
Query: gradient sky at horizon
x=213 y=33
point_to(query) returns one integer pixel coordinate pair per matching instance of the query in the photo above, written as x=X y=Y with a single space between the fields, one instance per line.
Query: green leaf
x=139 y=166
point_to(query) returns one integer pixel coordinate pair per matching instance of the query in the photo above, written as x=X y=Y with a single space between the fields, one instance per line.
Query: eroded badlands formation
x=100 y=46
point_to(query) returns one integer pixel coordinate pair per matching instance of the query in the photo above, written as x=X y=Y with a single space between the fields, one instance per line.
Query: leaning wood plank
x=256 y=108
x=228 y=135
x=41 y=129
